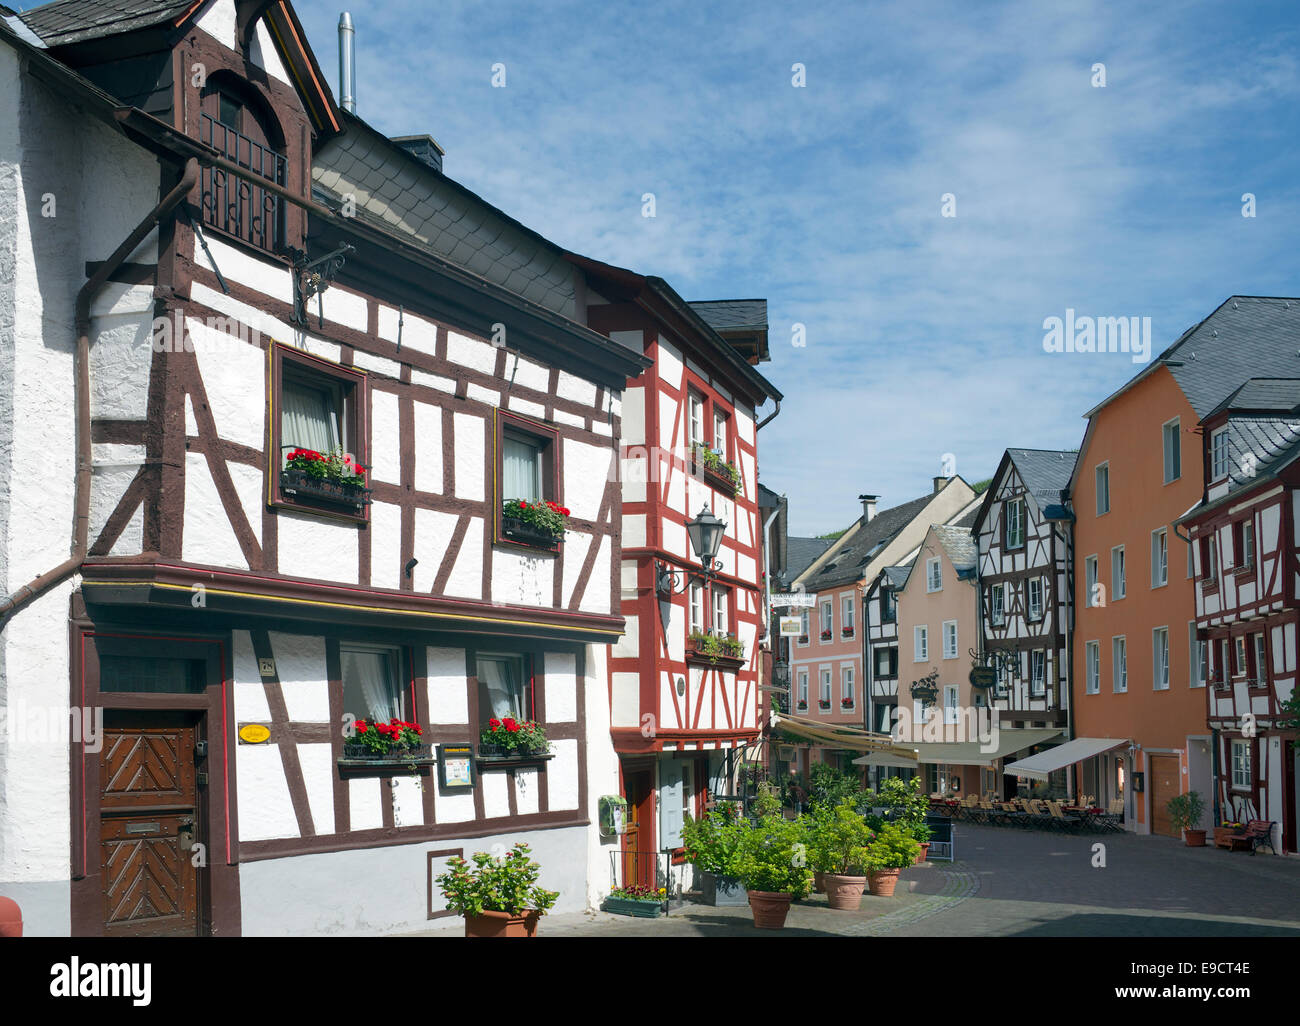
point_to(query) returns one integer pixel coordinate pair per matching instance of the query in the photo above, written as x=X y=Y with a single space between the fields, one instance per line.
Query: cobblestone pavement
x=1009 y=882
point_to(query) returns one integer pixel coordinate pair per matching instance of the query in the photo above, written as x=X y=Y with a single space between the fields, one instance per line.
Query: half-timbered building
x=1023 y=535
x=684 y=679
x=217 y=270
x=1244 y=539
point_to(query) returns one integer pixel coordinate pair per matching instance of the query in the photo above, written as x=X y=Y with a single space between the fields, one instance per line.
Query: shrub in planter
x=921 y=835
x=509 y=736
x=773 y=865
x=837 y=845
x=497 y=897
x=1185 y=811
x=712 y=845
x=892 y=850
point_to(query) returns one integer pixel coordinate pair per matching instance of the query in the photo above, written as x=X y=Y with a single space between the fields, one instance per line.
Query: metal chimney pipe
x=347 y=64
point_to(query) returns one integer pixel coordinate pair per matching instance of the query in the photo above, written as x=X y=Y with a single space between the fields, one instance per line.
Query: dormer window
x=235 y=123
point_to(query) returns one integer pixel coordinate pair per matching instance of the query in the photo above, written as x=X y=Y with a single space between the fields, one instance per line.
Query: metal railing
x=238 y=206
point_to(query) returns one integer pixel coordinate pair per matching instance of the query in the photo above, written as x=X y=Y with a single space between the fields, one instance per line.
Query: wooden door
x=1163 y=782
x=147 y=800
x=639 y=857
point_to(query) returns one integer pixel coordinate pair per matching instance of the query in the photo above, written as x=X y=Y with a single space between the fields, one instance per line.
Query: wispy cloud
x=924 y=332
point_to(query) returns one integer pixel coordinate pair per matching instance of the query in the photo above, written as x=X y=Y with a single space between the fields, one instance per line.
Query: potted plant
x=539 y=524
x=826 y=634
x=1224 y=833
x=497 y=897
x=823 y=703
x=891 y=851
x=838 y=844
x=921 y=835
x=328 y=477
x=636 y=900
x=711 y=845
x=716 y=646
x=846 y=703
x=510 y=737
x=1185 y=812
x=772 y=863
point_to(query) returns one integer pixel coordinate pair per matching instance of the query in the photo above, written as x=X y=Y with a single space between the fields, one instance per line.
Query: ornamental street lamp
x=705 y=533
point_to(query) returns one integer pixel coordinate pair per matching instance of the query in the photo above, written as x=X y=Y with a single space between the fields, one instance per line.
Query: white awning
x=885 y=759
x=1037 y=767
x=968 y=753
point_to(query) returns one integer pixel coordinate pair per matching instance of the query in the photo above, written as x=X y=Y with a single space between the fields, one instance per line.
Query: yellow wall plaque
x=254 y=733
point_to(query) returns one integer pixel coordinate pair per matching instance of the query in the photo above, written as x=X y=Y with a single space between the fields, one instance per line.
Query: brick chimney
x=939 y=482
x=868 y=506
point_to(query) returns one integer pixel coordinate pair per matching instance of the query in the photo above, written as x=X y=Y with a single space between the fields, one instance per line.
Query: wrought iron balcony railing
x=239 y=206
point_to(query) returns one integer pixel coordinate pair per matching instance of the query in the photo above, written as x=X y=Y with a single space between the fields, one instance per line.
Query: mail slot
x=143 y=828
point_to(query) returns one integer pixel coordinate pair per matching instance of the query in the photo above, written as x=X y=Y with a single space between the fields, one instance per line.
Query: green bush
x=893 y=848
x=773 y=857
x=828 y=787
x=904 y=799
x=712 y=844
x=837 y=839
x=507 y=884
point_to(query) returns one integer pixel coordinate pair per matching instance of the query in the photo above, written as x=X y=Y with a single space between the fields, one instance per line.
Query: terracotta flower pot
x=883 y=881
x=819 y=883
x=1195 y=838
x=770 y=908
x=844 y=892
x=923 y=854
x=502 y=924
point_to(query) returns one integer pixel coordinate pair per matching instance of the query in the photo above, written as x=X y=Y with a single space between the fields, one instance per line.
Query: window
x=1037 y=672
x=504 y=687
x=887 y=662
x=234 y=121
x=846 y=615
x=1245 y=545
x=888 y=606
x=1173 y=445
x=950 y=699
x=1091 y=597
x=316 y=405
x=1093 y=653
x=827 y=620
x=997 y=597
x=527 y=453
x=1239 y=651
x=933 y=575
x=1015 y=535
x=1221 y=670
x=846 y=685
x=826 y=687
x=1210 y=557
x=1242 y=780
x=920 y=644
x=720 y=432
x=1119 y=665
x=697 y=607
x=950 y=639
x=803 y=624
x=372 y=682
x=1103 y=488
x=1034 y=587
x=803 y=688
x=1159 y=558
x=521 y=467
x=1219 y=454
x=1260 y=670
x=1118 y=584
x=696 y=426
x=1160 y=659
x=1199 y=656
x=721 y=609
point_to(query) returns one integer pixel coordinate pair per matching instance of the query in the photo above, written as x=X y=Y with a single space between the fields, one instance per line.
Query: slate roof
x=959 y=545
x=400 y=193
x=1281 y=394
x=1271 y=440
x=897 y=575
x=1046 y=473
x=881 y=529
x=74 y=21
x=802 y=552
x=733 y=314
x=1246 y=337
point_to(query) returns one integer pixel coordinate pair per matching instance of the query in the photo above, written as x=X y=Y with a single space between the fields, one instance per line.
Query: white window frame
x=720 y=432
x=1160 y=661
x=826 y=620
x=1118 y=573
x=1261 y=655
x=1101 y=482
x=1219 y=454
x=824 y=694
x=846 y=685
x=997 y=604
x=934 y=574
x=804 y=625
x=1034 y=607
x=1212 y=556
x=1239 y=654
x=721 y=609
x=950 y=652
x=1247 y=559
x=921 y=643
x=846 y=615
x=803 y=687
x=1018 y=521
x=951 y=703
x=695 y=417
x=1090 y=581
x=1159 y=557
x=1119 y=664
x=1038 y=672
x=1092 y=672
x=696 y=607
x=1198 y=654
x=1173 y=456
x=1242 y=775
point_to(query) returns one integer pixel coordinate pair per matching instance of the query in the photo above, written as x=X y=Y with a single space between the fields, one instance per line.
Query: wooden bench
x=1257 y=832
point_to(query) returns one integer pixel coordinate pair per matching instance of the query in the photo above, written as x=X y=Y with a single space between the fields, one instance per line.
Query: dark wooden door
x=147 y=801
x=1163 y=783
x=639 y=857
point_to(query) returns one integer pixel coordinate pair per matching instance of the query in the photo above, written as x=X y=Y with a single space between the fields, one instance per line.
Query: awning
x=1037 y=767
x=977 y=753
x=841 y=736
x=885 y=759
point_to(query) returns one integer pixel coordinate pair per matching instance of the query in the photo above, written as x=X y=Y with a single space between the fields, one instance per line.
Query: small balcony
x=715 y=648
x=239 y=206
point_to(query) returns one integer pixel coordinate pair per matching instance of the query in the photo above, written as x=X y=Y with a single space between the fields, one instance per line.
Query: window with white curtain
x=721 y=609
x=503 y=687
x=720 y=432
x=696 y=426
x=372 y=683
x=521 y=468
x=310 y=416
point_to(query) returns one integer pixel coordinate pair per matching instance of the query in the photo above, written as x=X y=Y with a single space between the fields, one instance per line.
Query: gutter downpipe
x=770 y=417
x=81 y=372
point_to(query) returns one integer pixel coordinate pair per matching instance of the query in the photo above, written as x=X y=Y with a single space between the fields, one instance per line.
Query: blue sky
x=924 y=332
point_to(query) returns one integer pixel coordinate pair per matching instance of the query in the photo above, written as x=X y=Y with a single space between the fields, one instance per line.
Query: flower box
x=396 y=743
x=516 y=530
x=633 y=907
x=716 y=471
x=826 y=635
x=802 y=705
x=1223 y=835
x=803 y=639
x=300 y=486
x=846 y=703
x=715 y=648
x=824 y=704
x=846 y=632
